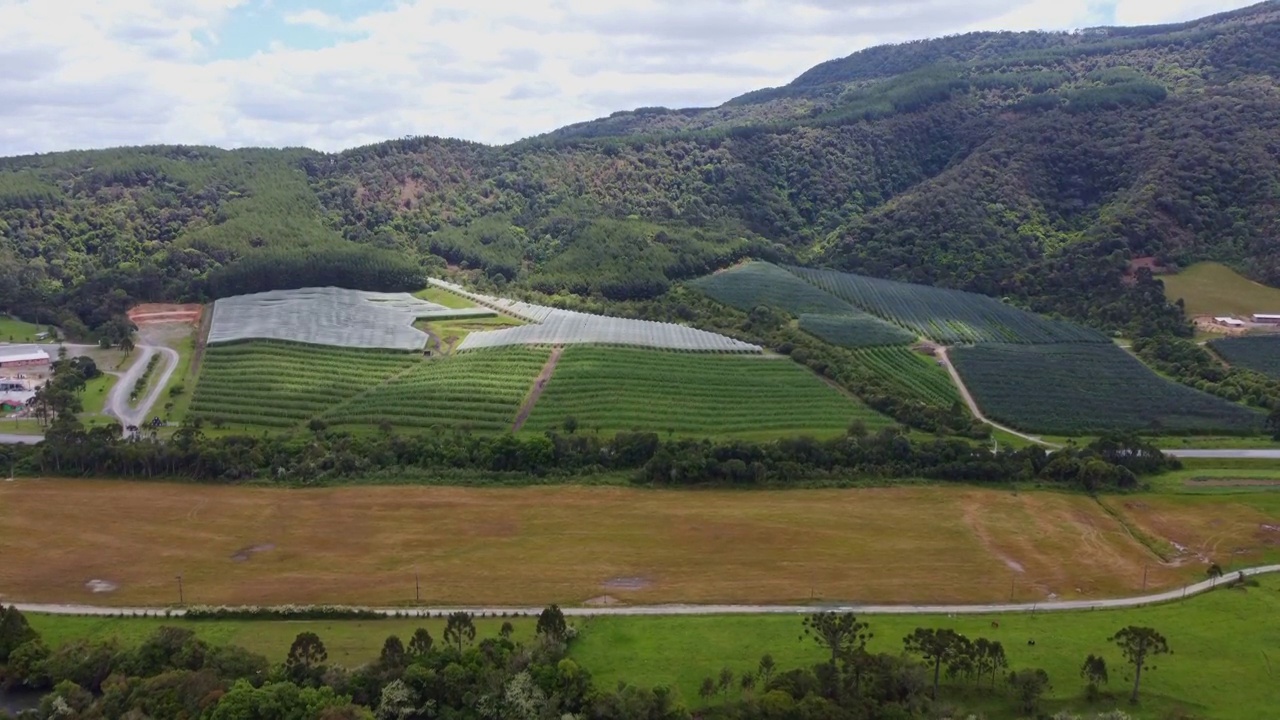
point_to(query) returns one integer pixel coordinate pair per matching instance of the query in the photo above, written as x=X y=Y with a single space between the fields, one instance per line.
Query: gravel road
x=1049 y=606
x=118 y=400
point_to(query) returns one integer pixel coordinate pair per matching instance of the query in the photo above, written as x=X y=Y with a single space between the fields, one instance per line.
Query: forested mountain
x=1032 y=166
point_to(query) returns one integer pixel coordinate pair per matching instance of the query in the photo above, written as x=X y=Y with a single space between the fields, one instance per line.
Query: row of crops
x=822 y=314
x=621 y=389
x=854 y=331
x=946 y=316
x=753 y=284
x=917 y=375
x=1085 y=388
x=480 y=391
x=1260 y=353
x=276 y=385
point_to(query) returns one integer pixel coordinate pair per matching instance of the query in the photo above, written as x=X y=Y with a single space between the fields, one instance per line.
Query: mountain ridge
x=1019 y=165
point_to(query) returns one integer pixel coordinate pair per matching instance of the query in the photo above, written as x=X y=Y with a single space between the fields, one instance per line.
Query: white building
x=23 y=357
x=1229 y=322
x=1266 y=319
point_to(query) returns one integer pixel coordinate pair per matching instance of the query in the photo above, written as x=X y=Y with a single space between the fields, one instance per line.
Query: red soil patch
x=149 y=313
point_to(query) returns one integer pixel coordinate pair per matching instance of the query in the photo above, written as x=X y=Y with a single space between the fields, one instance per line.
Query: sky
x=333 y=74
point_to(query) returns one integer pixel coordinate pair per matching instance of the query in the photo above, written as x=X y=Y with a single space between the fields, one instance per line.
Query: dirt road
x=539 y=385
x=985 y=609
x=977 y=412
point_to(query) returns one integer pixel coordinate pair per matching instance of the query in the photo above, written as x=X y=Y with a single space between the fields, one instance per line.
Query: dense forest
x=1021 y=165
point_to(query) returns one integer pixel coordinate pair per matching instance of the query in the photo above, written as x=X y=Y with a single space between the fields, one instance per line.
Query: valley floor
x=578 y=545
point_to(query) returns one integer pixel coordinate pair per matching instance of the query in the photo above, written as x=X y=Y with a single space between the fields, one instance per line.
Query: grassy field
x=454 y=331
x=1221 y=666
x=440 y=296
x=95 y=393
x=184 y=375
x=275 y=385
x=1088 y=388
x=614 y=389
x=570 y=544
x=17 y=331
x=479 y=390
x=1213 y=289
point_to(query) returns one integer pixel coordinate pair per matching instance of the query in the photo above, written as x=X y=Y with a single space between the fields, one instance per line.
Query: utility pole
x=1012 y=582
x=1145 y=568
x=181 y=601
x=417 y=588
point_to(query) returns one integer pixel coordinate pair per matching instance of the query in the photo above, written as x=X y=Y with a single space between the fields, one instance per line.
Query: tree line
x=176 y=675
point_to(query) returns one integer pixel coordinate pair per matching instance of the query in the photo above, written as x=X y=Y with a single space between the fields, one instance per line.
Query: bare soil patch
x=153 y=313
x=246 y=553
x=539 y=384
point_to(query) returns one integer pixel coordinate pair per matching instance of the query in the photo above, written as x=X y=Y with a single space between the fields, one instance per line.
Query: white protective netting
x=552 y=326
x=329 y=316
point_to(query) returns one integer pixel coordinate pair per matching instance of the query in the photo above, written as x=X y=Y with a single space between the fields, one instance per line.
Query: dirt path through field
x=973 y=405
x=538 y=386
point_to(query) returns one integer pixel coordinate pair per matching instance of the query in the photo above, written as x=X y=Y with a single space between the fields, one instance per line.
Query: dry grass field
x=569 y=545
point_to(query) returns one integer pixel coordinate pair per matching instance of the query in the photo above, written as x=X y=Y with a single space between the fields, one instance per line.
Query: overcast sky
x=331 y=74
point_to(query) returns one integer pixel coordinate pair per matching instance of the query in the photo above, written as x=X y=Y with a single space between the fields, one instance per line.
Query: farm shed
x=1266 y=319
x=1229 y=322
x=23 y=357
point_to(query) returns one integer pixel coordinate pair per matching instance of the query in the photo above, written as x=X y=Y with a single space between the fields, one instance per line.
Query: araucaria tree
x=459 y=629
x=839 y=633
x=1139 y=644
x=936 y=646
x=551 y=623
x=305 y=662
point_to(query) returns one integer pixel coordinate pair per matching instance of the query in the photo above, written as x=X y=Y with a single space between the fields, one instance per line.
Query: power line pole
x=417 y=588
x=181 y=600
x=1145 y=568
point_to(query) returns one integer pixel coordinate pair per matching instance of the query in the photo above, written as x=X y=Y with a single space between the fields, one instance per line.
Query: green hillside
x=1020 y=165
x=1214 y=289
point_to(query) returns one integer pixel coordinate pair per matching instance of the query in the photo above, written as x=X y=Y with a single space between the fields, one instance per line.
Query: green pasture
x=1214 y=289
x=610 y=389
x=440 y=296
x=18 y=331
x=1224 y=645
x=173 y=408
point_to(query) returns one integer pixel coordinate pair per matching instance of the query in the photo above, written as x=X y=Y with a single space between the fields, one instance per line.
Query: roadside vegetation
x=1175 y=660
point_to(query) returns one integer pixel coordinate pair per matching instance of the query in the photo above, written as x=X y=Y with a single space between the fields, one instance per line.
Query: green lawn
x=440 y=296
x=95 y=393
x=1222 y=642
x=14 y=330
x=1213 y=289
x=1221 y=666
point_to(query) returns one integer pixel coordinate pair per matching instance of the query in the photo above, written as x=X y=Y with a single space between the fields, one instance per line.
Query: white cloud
x=90 y=73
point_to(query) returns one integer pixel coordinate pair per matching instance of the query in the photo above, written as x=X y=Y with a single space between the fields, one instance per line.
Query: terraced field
x=620 y=389
x=947 y=316
x=266 y=384
x=480 y=390
x=1074 y=389
x=1260 y=353
x=854 y=330
x=752 y=284
x=915 y=373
